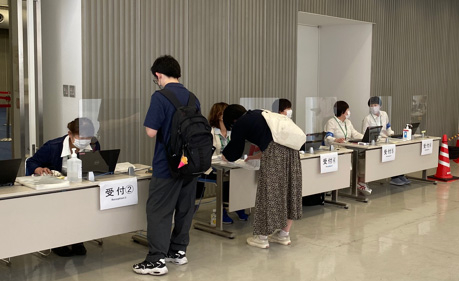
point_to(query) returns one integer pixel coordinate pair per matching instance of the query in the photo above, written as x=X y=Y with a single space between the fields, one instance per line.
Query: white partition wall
x=334 y=60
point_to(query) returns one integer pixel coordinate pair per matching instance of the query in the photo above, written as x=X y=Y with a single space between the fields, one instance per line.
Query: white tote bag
x=284 y=130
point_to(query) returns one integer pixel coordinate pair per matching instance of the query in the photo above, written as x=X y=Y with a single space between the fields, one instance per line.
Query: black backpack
x=190 y=136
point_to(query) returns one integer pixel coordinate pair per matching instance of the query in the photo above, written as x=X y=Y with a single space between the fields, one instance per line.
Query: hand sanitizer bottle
x=74 y=168
x=407 y=132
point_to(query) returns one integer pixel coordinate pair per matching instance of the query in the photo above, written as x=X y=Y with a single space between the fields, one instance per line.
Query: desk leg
x=218 y=230
x=423 y=178
x=355 y=178
x=335 y=201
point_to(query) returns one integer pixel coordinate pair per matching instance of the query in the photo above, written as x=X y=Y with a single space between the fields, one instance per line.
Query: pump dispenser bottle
x=407 y=132
x=74 y=173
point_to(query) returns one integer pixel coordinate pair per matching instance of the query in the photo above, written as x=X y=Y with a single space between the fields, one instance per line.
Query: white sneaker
x=277 y=238
x=177 y=258
x=255 y=241
x=363 y=187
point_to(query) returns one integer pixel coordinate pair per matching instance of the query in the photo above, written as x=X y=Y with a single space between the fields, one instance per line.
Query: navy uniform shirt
x=159 y=117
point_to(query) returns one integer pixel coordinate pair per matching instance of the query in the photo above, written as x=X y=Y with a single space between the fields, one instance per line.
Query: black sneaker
x=63 y=251
x=79 y=249
x=177 y=258
x=153 y=268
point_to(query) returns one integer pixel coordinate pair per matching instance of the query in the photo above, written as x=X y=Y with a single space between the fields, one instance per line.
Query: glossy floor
x=403 y=233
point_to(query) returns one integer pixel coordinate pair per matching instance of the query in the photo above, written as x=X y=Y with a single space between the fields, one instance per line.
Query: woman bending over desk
x=279 y=191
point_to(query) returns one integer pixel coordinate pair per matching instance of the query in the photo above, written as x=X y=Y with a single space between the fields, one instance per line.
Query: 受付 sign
x=388 y=153
x=426 y=147
x=118 y=193
x=328 y=162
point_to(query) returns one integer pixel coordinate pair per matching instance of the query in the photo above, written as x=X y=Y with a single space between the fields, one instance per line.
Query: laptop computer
x=414 y=127
x=371 y=133
x=314 y=140
x=8 y=171
x=103 y=161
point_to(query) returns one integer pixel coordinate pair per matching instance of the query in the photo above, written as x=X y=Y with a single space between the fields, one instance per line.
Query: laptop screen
x=103 y=161
x=8 y=171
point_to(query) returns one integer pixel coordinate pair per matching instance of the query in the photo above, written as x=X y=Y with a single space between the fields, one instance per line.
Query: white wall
x=333 y=61
x=62 y=63
x=345 y=66
x=307 y=66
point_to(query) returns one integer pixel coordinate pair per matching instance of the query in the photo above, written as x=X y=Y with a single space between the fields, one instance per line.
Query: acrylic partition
x=318 y=110
x=114 y=129
x=260 y=103
x=419 y=113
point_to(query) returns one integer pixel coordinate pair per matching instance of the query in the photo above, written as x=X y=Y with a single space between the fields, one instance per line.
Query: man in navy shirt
x=166 y=194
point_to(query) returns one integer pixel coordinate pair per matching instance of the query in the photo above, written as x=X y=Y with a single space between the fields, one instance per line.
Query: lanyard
x=380 y=121
x=223 y=141
x=345 y=133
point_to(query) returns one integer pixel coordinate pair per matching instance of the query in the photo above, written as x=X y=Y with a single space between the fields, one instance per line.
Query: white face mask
x=348 y=114
x=289 y=113
x=81 y=144
x=375 y=109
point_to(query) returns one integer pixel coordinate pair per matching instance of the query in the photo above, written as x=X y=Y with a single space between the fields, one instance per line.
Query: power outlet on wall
x=72 y=91
x=65 y=90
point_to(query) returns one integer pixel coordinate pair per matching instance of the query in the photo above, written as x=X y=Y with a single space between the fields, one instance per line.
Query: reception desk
x=34 y=220
x=243 y=184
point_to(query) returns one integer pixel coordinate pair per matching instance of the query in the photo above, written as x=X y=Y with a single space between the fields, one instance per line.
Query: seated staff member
x=377 y=117
x=279 y=189
x=221 y=137
x=339 y=129
x=53 y=155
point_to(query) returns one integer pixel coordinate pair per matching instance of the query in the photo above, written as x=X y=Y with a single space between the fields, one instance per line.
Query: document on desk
x=43 y=182
x=118 y=193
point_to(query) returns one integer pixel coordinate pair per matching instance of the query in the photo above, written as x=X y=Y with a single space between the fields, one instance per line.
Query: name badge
x=388 y=153
x=328 y=162
x=118 y=193
x=426 y=147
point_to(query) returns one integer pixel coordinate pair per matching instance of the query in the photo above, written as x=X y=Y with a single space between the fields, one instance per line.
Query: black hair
x=374 y=100
x=280 y=105
x=231 y=114
x=340 y=107
x=166 y=65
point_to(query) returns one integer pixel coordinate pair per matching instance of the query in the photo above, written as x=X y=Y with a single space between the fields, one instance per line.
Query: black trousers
x=165 y=197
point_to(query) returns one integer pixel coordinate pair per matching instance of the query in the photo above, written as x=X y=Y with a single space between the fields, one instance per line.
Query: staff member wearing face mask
x=53 y=154
x=339 y=129
x=284 y=107
x=377 y=117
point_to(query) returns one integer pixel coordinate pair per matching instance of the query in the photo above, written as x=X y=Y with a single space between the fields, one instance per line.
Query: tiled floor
x=403 y=233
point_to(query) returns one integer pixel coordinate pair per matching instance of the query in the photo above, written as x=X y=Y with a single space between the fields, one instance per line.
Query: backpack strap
x=173 y=99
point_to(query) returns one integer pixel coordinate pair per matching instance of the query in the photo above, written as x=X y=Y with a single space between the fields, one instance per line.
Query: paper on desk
x=249 y=164
x=42 y=182
x=123 y=167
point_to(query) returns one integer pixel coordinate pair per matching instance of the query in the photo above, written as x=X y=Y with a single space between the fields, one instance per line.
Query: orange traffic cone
x=443 y=169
